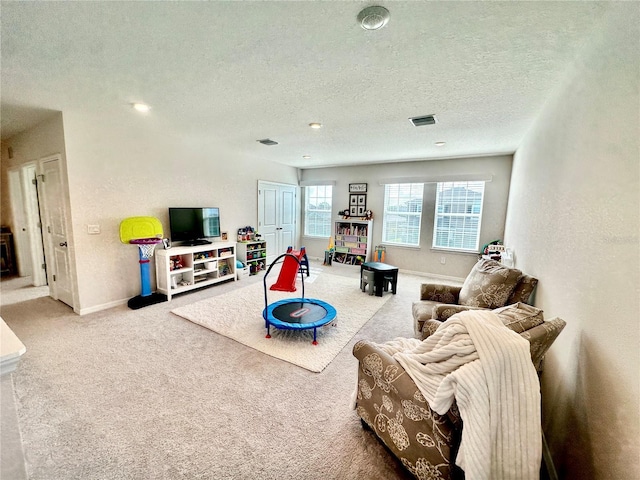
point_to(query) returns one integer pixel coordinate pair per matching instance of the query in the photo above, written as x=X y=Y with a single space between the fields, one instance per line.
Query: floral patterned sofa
x=489 y=285
x=389 y=402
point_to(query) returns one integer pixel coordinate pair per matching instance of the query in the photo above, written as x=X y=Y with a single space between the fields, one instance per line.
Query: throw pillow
x=520 y=317
x=489 y=285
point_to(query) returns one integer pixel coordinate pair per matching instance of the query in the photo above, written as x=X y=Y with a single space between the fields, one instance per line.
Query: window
x=458 y=215
x=317 y=210
x=402 y=213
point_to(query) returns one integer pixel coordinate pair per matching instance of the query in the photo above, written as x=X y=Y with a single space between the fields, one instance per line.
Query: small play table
x=382 y=273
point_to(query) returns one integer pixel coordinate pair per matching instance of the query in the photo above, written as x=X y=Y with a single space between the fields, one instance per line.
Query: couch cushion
x=520 y=317
x=523 y=290
x=489 y=285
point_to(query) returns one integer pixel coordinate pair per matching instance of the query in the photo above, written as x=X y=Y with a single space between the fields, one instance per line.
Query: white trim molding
x=465 y=177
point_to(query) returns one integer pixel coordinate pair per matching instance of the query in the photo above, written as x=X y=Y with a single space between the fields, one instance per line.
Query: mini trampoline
x=296 y=313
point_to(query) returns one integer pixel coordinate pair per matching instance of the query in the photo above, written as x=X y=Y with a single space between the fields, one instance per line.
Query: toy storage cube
x=243 y=272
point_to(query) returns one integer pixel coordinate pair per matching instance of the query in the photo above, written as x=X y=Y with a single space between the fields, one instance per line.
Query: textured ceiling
x=236 y=72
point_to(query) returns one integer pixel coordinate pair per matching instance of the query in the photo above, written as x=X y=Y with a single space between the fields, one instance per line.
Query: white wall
x=422 y=259
x=573 y=220
x=138 y=168
x=132 y=168
x=44 y=140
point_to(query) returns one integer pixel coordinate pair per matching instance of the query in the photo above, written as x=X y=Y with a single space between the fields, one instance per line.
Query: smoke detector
x=373 y=18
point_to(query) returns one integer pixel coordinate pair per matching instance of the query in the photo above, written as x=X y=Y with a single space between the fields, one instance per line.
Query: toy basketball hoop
x=146 y=246
x=146 y=233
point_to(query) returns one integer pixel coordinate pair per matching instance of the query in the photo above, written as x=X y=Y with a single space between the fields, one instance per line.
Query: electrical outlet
x=443 y=260
x=93 y=229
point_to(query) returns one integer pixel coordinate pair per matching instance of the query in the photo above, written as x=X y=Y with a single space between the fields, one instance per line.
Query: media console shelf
x=180 y=269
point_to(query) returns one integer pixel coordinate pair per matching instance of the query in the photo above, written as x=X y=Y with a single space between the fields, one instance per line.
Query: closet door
x=277 y=216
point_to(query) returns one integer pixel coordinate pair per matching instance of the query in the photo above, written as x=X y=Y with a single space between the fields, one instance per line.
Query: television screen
x=194 y=225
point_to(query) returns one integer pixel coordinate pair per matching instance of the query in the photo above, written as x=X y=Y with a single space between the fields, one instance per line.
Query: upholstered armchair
x=489 y=285
x=390 y=404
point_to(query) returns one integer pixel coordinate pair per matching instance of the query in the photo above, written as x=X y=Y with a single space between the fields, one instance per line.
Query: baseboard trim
x=104 y=306
x=433 y=275
x=447 y=278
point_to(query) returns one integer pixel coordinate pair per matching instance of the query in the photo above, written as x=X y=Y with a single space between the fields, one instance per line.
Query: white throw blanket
x=486 y=368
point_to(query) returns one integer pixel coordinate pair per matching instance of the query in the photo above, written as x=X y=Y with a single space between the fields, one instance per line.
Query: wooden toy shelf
x=352 y=240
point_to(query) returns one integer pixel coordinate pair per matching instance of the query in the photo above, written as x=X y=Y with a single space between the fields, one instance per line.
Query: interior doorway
x=40 y=212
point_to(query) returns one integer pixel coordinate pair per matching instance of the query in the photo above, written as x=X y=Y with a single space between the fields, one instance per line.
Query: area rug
x=238 y=315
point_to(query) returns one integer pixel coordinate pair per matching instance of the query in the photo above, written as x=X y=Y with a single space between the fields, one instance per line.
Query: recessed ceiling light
x=373 y=18
x=306 y=157
x=315 y=125
x=440 y=144
x=141 y=107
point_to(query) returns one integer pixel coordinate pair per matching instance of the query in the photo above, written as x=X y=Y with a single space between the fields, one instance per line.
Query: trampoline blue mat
x=299 y=313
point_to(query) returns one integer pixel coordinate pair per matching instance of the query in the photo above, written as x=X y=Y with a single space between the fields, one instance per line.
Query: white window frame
x=307 y=210
x=441 y=214
x=395 y=194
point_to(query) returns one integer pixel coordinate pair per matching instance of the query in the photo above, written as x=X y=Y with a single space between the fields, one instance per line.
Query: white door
x=287 y=217
x=267 y=221
x=277 y=217
x=21 y=242
x=33 y=224
x=26 y=222
x=50 y=187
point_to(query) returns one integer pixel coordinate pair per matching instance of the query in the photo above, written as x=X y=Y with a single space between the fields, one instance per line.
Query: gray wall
x=573 y=221
x=424 y=258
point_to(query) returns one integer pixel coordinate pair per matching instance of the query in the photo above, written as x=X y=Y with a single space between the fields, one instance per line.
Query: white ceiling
x=236 y=72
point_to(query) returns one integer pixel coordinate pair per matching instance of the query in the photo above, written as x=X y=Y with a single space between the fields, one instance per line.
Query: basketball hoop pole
x=145 y=251
x=145 y=275
x=146 y=247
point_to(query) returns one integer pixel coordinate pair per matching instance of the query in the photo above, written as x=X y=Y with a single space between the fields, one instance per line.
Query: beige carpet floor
x=144 y=394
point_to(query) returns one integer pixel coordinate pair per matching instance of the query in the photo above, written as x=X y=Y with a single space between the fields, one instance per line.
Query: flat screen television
x=194 y=226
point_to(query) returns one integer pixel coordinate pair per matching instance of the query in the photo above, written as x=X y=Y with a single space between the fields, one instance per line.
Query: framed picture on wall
x=357 y=188
x=353 y=199
x=361 y=210
x=362 y=199
x=353 y=211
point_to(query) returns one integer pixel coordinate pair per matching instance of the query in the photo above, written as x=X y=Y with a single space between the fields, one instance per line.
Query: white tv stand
x=181 y=269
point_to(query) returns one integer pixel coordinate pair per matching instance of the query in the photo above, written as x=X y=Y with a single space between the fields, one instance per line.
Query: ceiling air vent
x=268 y=141
x=424 y=120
